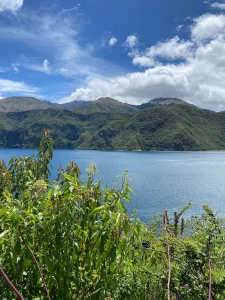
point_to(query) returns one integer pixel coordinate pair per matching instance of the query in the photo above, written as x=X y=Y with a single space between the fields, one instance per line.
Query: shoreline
x=119 y=150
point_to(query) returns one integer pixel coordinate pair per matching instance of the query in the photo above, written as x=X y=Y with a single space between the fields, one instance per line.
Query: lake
x=161 y=179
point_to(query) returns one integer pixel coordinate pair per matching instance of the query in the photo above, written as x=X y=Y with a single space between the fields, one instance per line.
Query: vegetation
x=107 y=105
x=109 y=125
x=178 y=127
x=69 y=239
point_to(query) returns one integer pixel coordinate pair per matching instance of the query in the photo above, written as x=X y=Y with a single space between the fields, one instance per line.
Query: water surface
x=161 y=179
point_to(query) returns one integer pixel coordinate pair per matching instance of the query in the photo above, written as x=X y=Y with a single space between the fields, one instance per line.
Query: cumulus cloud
x=208 y=26
x=113 y=41
x=10 y=5
x=143 y=60
x=171 y=49
x=193 y=70
x=131 y=41
x=16 y=86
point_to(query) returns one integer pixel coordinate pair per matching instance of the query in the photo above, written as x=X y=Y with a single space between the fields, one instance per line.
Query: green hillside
x=178 y=127
x=69 y=129
x=106 y=105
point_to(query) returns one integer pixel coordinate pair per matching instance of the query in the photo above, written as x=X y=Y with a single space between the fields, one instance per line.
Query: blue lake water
x=161 y=179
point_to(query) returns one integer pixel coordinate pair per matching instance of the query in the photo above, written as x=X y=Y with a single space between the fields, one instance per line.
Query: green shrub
x=69 y=239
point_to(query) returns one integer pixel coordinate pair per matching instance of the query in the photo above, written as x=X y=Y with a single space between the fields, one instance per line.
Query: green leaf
x=97 y=209
x=68 y=177
x=13 y=240
x=4 y=233
x=15 y=216
x=112 y=266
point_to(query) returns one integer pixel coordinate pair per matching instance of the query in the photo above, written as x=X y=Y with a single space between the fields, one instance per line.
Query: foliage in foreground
x=69 y=239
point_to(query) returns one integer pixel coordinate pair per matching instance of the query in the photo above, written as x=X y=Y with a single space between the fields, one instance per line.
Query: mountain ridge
x=21 y=103
x=104 y=104
x=108 y=124
x=173 y=128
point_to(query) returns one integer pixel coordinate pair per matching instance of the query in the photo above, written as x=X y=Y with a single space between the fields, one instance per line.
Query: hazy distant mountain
x=72 y=105
x=161 y=102
x=16 y=104
x=106 y=105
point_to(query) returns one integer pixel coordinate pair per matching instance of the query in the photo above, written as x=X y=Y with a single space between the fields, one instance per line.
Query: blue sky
x=131 y=50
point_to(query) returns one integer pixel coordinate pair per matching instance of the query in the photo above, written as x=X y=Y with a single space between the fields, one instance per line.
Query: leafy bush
x=69 y=239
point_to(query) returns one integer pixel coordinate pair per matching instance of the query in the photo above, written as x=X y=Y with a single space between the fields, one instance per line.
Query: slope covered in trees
x=110 y=125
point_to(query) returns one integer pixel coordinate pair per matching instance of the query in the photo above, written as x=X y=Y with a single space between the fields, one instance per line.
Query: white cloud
x=56 y=36
x=10 y=5
x=208 y=26
x=179 y=27
x=16 y=86
x=191 y=69
x=46 y=66
x=143 y=60
x=131 y=41
x=218 y=5
x=171 y=50
x=1 y=97
x=113 y=41
x=199 y=80
x=15 y=68
x=39 y=67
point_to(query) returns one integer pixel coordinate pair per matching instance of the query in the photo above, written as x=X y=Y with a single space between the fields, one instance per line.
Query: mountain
x=71 y=105
x=161 y=102
x=110 y=125
x=16 y=104
x=106 y=105
x=68 y=129
x=178 y=127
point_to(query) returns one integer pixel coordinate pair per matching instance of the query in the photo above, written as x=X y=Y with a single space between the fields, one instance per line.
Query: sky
x=130 y=50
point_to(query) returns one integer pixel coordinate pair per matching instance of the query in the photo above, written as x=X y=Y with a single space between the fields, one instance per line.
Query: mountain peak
x=107 y=105
x=161 y=102
x=167 y=101
x=105 y=100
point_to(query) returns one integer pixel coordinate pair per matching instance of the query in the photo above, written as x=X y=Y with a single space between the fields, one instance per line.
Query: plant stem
x=36 y=262
x=210 y=275
x=168 y=252
x=13 y=288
